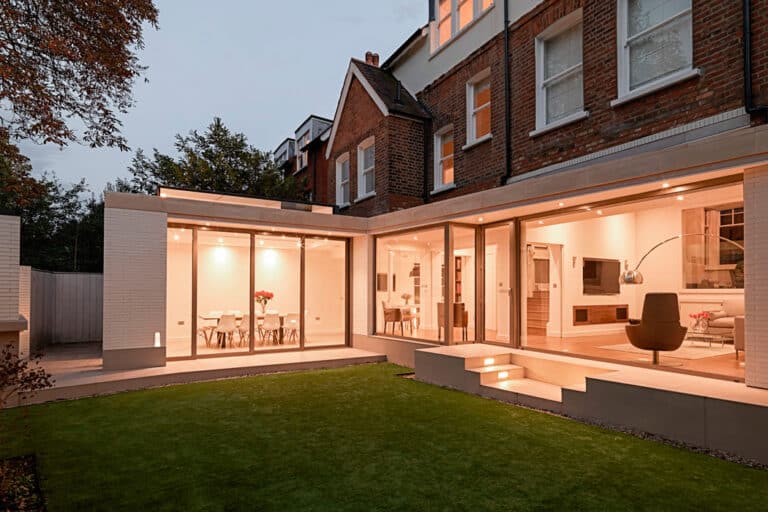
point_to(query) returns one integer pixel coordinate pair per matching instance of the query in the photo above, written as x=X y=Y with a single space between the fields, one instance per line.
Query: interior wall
x=179 y=291
x=325 y=290
x=497 y=291
x=610 y=237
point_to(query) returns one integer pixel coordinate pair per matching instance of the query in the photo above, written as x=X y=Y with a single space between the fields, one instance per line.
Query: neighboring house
x=492 y=180
x=285 y=156
x=305 y=158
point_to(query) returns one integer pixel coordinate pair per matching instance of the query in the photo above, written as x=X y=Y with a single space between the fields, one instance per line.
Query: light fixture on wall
x=636 y=277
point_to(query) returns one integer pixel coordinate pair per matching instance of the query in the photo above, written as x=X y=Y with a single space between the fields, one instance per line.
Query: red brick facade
x=717 y=53
x=399 y=155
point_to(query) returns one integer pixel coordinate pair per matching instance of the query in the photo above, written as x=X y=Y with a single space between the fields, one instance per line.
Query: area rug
x=699 y=350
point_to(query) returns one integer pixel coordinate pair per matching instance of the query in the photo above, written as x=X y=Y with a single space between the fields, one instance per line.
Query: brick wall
x=760 y=51
x=134 y=277
x=10 y=234
x=399 y=155
x=717 y=52
x=481 y=166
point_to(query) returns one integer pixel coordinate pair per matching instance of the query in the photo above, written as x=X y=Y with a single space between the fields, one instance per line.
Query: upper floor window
x=366 y=168
x=444 y=158
x=479 y=108
x=559 y=73
x=655 y=43
x=453 y=15
x=342 y=180
x=302 y=159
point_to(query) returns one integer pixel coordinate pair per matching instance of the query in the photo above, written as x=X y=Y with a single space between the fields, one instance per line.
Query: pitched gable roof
x=386 y=91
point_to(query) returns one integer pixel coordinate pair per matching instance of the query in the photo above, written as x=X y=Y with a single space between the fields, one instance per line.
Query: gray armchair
x=659 y=329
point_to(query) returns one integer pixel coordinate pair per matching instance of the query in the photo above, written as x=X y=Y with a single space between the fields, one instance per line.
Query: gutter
x=749 y=100
x=508 y=100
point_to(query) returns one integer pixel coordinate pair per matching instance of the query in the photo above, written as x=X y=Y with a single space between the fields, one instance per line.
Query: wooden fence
x=65 y=308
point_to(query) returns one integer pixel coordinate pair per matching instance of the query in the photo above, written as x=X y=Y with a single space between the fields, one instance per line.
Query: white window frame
x=361 y=171
x=477 y=13
x=626 y=94
x=438 y=185
x=302 y=157
x=340 y=161
x=559 y=27
x=472 y=138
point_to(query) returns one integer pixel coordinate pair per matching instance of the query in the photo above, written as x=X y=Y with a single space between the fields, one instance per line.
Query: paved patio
x=78 y=372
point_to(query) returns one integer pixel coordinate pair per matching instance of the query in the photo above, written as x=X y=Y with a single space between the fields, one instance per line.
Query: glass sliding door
x=498 y=283
x=277 y=291
x=463 y=284
x=178 y=309
x=325 y=292
x=223 y=292
x=410 y=284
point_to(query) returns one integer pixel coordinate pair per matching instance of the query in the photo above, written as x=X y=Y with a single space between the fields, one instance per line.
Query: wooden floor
x=723 y=366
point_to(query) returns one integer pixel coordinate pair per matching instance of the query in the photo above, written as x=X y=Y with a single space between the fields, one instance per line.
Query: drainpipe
x=749 y=100
x=427 y=163
x=507 y=101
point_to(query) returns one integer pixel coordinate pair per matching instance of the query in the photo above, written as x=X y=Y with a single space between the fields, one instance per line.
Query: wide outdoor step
x=486 y=360
x=530 y=388
x=491 y=374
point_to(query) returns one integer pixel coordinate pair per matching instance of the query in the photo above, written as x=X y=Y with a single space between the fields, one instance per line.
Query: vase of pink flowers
x=700 y=321
x=262 y=297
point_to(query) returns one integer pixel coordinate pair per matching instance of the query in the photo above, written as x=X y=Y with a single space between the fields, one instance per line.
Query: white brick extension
x=134 y=278
x=10 y=238
x=756 y=275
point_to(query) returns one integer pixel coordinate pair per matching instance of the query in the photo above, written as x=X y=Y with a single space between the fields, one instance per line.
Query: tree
x=215 y=161
x=19 y=376
x=63 y=60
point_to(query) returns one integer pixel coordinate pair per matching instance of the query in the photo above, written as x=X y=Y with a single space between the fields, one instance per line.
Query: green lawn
x=352 y=439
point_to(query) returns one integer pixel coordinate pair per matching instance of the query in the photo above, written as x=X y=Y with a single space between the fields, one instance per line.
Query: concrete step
x=492 y=359
x=528 y=392
x=495 y=373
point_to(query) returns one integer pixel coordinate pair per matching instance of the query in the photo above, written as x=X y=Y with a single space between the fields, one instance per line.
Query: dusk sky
x=262 y=67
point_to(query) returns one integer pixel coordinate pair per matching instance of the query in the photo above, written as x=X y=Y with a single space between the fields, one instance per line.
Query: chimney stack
x=372 y=59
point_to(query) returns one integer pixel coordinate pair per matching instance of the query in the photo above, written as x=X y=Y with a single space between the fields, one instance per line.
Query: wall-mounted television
x=601 y=277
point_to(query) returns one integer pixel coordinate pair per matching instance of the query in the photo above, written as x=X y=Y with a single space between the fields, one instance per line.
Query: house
x=285 y=155
x=493 y=180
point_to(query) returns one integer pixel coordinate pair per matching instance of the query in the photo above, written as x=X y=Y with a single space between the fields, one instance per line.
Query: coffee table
x=706 y=337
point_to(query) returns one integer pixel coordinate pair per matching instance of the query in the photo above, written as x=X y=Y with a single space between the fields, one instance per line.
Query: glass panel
x=345 y=193
x=562 y=52
x=369 y=157
x=444 y=9
x=482 y=92
x=326 y=288
x=483 y=122
x=369 y=184
x=178 y=323
x=497 y=284
x=466 y=12
x=223 y=291
x=644 y=14
x=661 y=53
x=565 y=97
x=486 y=4
x=444 y=30
x=463 y=282
x=345 y=171
x=446 y=146
x=410 y=284
x=447 y=168
x=277 y=274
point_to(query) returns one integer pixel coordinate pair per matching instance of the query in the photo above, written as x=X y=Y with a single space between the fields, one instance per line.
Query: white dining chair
x=291 y=327
x=226 y=328
x=206 y=331
x=271 y=327
x=244 y=329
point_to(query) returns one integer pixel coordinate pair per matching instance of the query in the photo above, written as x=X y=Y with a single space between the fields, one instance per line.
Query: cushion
x=714 y=315
x=723 y=323
x=734 y=306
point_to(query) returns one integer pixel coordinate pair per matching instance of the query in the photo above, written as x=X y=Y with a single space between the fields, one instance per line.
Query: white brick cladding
x=10 y=237
x=756 y=275
x=25 y=307
x=134 y=277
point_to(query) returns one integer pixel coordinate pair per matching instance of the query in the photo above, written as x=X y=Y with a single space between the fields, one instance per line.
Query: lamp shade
x=631 y=277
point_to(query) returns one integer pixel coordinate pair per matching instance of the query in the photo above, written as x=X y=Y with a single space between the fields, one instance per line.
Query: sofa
x=723 y=321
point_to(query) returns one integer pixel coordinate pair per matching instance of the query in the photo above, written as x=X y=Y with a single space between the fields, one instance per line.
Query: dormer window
x=453 y=16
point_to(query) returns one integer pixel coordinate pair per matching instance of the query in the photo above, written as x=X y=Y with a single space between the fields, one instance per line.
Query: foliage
x=19 y=375
x=64 y=61
x=19 y=486
x=351 y=439
x=217 y=160
x=60 y=230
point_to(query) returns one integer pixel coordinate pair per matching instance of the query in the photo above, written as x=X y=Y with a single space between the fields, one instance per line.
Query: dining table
x=216 y=316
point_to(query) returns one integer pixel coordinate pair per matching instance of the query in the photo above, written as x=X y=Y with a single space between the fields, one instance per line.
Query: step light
x=503 y=375
x=489 y=361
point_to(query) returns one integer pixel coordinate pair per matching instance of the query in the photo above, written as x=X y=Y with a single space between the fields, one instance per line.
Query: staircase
x=515 y=376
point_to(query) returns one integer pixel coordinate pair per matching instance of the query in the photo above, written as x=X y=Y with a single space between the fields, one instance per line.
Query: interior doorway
x=544 y=290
